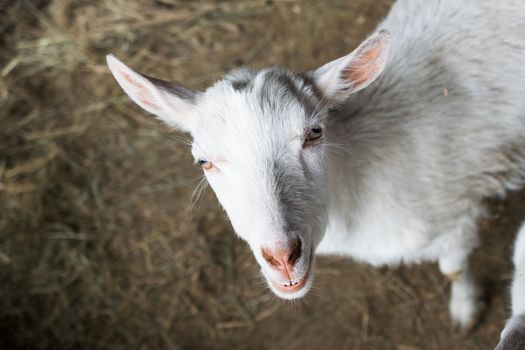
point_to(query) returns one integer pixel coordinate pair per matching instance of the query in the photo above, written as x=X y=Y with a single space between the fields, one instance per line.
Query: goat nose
x=284 y=259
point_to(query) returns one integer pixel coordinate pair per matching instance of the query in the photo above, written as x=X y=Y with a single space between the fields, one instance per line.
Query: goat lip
x=291 y=288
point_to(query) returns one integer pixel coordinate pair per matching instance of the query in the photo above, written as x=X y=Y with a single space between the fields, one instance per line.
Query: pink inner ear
x=143 y=94
x=372 y=54
x=364 y=67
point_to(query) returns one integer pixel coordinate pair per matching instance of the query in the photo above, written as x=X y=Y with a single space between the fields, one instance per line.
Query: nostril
x=270 y=259
x=285 y=258
x=296 y=252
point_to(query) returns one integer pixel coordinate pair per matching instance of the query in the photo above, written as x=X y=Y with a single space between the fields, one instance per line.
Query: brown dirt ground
x=97 y=247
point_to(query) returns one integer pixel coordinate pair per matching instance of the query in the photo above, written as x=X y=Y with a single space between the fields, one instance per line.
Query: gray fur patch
x=241 y=78
x=281 y=87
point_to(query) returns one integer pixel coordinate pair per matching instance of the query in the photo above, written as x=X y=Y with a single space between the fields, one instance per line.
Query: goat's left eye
x=206 y=165
x=315 y=133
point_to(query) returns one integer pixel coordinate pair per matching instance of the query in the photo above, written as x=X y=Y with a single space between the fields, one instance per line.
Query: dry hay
x=97 y=246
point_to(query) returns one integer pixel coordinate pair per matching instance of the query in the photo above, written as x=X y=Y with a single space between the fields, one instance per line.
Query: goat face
x=260 y=140
x=259 y=136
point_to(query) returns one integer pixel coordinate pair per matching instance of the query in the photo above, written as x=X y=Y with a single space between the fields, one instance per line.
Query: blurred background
x=98 y=246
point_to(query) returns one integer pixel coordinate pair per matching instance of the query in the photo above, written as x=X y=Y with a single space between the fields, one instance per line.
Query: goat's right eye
x=313 y=135
x=206 y=165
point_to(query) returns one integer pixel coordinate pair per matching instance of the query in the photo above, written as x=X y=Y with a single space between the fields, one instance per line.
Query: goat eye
x=205 y=164
x=315 y=133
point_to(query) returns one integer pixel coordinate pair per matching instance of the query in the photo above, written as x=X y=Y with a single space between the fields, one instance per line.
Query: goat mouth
x=295 y=286
x=292 y=286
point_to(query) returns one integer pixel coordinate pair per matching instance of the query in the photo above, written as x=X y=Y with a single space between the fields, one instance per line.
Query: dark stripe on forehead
x=308 y=81
x=240 y=85
x=240 y=79
x=280 y=86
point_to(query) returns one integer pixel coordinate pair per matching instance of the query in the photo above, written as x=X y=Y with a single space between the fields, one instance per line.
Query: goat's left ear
x=337 y=79
x=172 y=103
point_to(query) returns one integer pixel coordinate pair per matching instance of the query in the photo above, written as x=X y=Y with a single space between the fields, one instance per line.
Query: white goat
x=513 y=335
x=383 y=155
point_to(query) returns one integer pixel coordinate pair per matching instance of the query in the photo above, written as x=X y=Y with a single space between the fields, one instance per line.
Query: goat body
x=419 y=126
x=438 y=131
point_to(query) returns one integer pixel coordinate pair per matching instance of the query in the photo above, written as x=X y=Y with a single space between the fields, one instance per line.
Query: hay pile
x=98 y=249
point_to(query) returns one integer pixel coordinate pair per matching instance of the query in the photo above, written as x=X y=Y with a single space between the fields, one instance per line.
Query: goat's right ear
x=338 y=79
x=172 y=103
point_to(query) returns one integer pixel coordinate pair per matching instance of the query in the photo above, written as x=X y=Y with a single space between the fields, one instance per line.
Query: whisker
x=181 y=139
x=318 y=111
x=197 y=192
